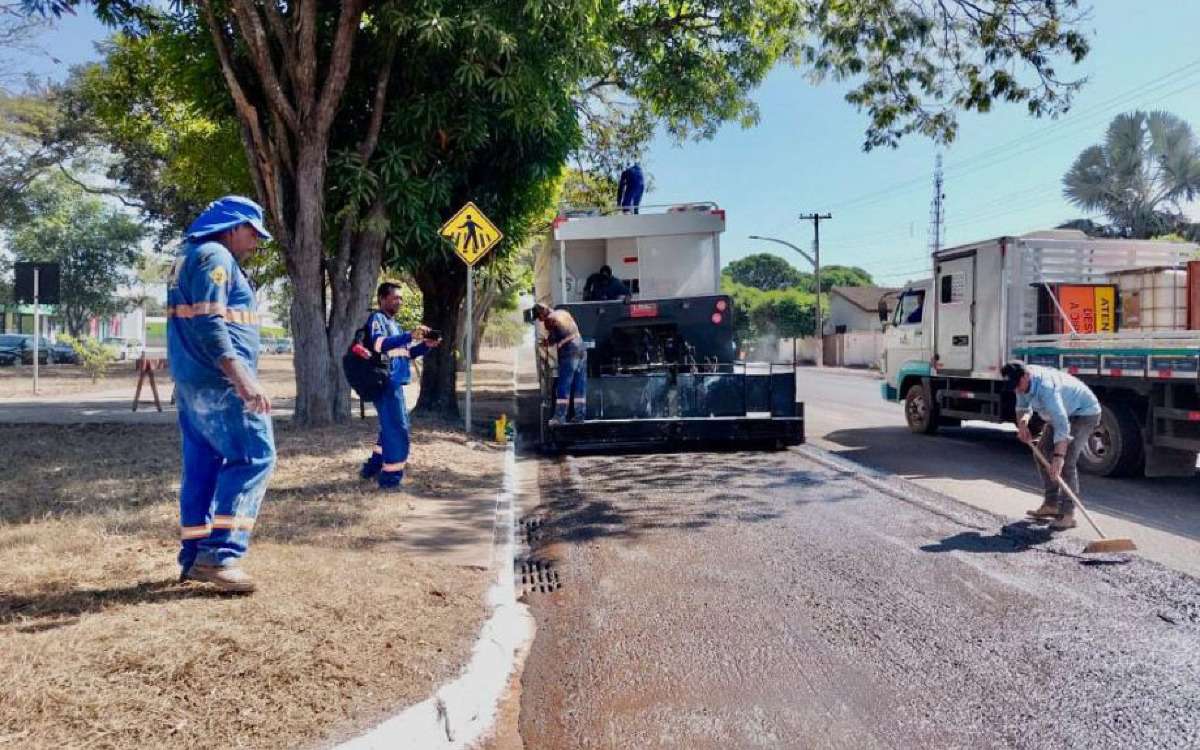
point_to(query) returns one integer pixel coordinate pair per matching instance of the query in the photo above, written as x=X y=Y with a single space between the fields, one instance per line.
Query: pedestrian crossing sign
x=472 y=233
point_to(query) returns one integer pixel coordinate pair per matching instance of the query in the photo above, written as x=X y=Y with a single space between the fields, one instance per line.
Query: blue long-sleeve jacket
x=211 y=314
x=1057 y=396
x=385 y=336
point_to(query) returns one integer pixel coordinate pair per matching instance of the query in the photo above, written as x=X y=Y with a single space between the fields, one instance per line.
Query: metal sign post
x=36 y=283
x=470 y=340
x=37 y=328
x=473 y=235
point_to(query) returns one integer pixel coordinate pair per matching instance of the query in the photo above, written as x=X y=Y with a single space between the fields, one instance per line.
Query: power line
x=1085 y=114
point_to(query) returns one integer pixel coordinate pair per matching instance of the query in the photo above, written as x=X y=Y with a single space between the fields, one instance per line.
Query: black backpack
x=368 y=377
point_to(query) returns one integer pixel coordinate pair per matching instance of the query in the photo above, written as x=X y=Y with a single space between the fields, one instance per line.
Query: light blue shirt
x=1057 y=396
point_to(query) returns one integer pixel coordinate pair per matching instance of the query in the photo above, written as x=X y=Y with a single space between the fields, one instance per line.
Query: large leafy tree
x=764 y=271
x=314 y=84
x=1139 y=177
x=96 y=245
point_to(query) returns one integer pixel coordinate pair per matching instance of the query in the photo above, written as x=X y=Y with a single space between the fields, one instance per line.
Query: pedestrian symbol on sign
x=472 y=233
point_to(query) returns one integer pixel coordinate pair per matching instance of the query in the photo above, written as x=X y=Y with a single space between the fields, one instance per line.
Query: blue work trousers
x=228 y=456
x=391 y=449
x=571 y=385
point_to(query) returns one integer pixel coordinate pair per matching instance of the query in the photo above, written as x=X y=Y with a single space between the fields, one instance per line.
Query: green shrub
x=94 y=357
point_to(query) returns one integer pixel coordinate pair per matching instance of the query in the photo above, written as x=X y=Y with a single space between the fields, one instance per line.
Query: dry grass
x=70 y=380
x=103 y=649
x=63 y=380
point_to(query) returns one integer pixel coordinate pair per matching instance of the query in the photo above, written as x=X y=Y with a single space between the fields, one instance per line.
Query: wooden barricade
x=145 y=368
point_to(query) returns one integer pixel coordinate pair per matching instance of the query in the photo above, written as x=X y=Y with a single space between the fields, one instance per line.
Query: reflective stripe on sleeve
x=246 y=317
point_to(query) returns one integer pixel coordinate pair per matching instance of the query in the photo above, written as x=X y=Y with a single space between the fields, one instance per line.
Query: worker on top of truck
x=571 y=386
x=1071 y=412
x=602 y=286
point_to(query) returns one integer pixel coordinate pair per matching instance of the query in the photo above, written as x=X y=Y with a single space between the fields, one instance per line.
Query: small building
x=855 y=309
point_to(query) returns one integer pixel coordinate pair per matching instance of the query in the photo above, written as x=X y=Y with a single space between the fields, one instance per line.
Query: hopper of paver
x=661 y=359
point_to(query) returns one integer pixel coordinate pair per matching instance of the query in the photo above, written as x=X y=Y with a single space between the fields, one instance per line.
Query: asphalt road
x=785 y=600
x=984 y=465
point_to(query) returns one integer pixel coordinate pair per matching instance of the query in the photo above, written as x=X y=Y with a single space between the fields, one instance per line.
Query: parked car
x=21 y=345
x=8 y=358
x=63 y=353
x=121 y=349
x=283 y=346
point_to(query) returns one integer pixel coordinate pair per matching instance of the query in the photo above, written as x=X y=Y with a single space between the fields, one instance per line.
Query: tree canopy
x=97 y=247
x=365 y=123
x=1147 y=166
x=764 y=271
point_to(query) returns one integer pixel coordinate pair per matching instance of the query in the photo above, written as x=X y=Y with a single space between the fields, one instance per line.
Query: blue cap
x=228 y=213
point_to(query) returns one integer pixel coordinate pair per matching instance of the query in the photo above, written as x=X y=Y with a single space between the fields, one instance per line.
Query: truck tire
x=919 y=411
x=1115 y=449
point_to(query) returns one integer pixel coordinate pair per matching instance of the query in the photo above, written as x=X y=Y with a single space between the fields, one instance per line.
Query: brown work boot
x=225 y=577
x=1047 y=510
x=1063 y=522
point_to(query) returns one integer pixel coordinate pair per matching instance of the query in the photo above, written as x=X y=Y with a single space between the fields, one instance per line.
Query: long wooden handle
x=1037 y=454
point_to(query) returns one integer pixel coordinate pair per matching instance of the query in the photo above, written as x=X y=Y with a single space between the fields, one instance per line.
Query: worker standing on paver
x=224 y=414
x=385 y=338
x=571 y=385
x=1071 y=412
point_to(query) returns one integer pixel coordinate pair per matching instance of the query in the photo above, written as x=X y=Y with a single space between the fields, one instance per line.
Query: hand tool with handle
x=1101 y=545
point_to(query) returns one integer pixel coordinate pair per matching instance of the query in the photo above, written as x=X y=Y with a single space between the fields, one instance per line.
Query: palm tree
x=1147 y=166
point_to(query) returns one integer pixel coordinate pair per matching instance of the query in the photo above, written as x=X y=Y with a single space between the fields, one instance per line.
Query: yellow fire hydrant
x=502 y=429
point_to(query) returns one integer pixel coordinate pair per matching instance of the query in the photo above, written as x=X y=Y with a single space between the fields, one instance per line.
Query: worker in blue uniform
x=385 y=337
x=224 y=413
x=570 y=388
x=630 y=187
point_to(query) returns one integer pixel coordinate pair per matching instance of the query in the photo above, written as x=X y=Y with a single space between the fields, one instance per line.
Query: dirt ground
x=104 y=649
x=68 y=380
x=61 y=380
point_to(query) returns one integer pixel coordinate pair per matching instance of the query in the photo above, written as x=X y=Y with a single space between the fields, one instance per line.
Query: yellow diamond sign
x=472 y=233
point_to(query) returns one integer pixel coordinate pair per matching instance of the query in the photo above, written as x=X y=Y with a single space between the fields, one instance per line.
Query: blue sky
x=1003 y=174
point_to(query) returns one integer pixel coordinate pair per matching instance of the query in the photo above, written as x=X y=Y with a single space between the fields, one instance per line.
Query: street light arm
x=807 y=257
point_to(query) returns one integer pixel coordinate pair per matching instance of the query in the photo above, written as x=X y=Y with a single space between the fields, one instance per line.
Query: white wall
x=842 y=312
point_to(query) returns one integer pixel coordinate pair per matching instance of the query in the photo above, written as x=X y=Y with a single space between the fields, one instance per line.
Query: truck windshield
x=908 y=312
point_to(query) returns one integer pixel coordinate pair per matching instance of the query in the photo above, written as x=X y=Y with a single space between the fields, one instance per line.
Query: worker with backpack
x=377 y=368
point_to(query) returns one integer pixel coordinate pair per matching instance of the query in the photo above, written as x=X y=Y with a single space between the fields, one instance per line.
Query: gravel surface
x=724 y=600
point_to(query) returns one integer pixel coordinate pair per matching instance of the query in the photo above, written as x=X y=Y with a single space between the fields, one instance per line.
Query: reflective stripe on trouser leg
x=245 y=443
x=393 y=435
x=198 y=485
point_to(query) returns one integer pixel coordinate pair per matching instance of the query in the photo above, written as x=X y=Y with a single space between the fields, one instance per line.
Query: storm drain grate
x=532 y=529
x=538 y=576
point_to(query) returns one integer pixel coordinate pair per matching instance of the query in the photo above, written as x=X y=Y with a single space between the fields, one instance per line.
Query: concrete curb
x=463 y=711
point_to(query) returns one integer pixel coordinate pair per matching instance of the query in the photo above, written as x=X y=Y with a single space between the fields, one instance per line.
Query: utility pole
x=816 y=219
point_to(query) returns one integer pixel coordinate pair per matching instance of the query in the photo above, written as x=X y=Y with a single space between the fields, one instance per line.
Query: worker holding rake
x=1071 y=413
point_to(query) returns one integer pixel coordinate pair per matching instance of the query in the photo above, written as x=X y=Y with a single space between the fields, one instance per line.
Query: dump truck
x=1123 y=316
x=661 y=361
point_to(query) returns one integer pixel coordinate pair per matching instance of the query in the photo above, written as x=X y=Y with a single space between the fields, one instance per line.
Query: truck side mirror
x=883 y=310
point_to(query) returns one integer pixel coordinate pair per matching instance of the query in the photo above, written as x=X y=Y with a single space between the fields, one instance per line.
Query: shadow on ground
x=989 y=454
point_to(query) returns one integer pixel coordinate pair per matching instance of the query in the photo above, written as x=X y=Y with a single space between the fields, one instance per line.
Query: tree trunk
x=443 y=285
x=316 y=379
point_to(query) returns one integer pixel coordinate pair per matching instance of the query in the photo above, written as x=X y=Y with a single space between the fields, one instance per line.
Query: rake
x=1103 y=544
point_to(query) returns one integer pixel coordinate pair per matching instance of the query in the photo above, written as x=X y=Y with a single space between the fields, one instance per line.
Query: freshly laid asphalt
x=791 y=600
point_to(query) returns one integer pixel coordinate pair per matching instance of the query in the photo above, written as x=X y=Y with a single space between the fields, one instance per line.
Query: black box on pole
x=47 y=283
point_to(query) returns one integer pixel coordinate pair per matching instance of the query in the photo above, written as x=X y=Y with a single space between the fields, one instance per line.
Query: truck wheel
x=920 y=413
x=1115 y=448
